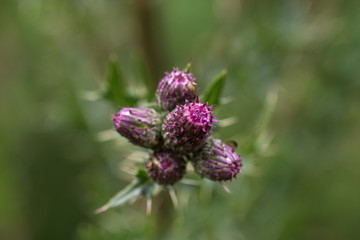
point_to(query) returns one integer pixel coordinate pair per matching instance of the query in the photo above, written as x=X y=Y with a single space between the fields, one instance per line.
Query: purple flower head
x=217 y=161
x=166 y=168
x=187 y=127
x=141 y=126
x=176 y=87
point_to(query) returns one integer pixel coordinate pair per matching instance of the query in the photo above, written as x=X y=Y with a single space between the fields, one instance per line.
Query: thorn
x=173 y=197
x=188 y=66
x=148 y=206
x=190 y=61
x=100 y=210
x=225 y=188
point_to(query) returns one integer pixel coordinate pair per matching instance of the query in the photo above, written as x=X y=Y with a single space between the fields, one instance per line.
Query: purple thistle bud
x=166 y=168
x=217 y=161
x=141 y=126
x=187 y=127
x=175 y=88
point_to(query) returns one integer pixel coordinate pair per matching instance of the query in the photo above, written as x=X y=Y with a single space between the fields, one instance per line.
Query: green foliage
x=115 y=85
x=116 y=90
x=213 y=92
x=141 y=186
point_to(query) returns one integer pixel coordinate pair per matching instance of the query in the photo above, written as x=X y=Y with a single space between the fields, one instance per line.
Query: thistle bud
x=175 y=88
x=141 y=126
x=217 y=161
x=166 y=168
x=187 y=127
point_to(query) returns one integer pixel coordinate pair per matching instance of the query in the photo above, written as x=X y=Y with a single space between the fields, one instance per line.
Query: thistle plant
x=177 y=135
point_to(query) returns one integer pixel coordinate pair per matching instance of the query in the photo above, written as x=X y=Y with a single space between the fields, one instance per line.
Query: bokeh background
x=301 y=175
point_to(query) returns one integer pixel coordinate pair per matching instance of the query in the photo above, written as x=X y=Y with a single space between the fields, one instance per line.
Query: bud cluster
x=183 y=133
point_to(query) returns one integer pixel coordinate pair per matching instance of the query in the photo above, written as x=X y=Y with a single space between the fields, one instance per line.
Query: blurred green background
x=54 y=171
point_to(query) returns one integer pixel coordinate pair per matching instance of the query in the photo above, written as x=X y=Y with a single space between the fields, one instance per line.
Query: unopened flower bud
x=217 y=161
x=166 y=168
x=187 y=127
x=176 y=87
x=141 y=126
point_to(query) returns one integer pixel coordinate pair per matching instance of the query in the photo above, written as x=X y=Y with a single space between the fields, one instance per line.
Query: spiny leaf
x=213 y=92
x=141 y=186
x=115 y=84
